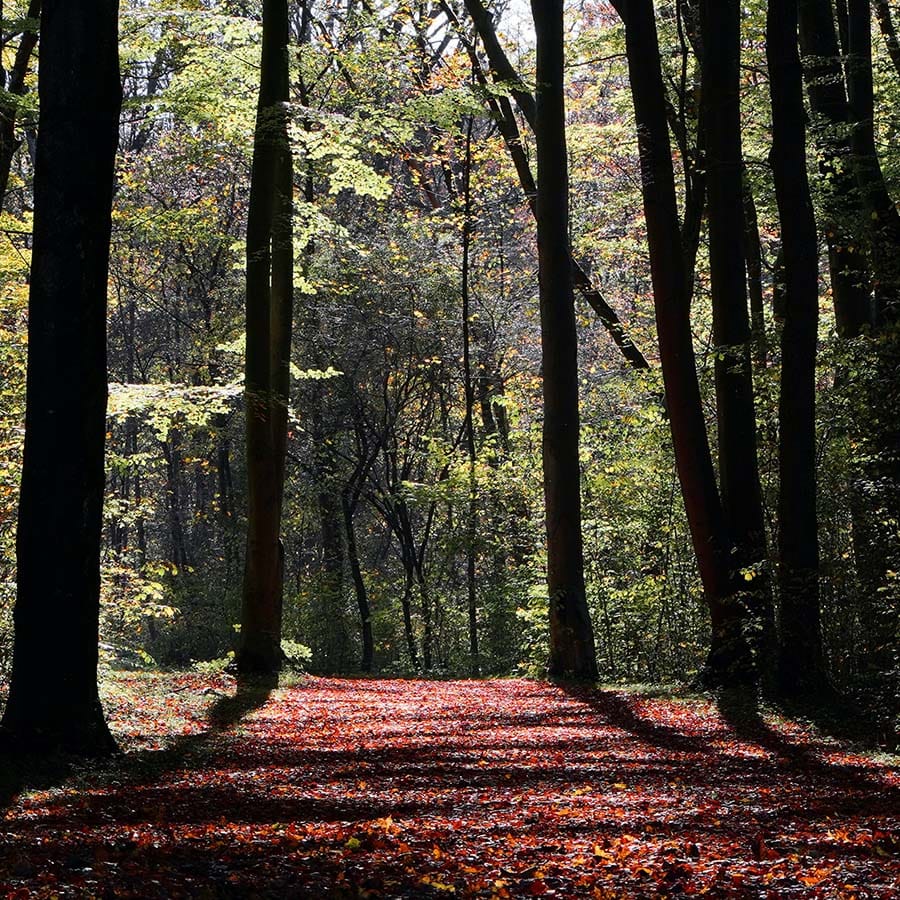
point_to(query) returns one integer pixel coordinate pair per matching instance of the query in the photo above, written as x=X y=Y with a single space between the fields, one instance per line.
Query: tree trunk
x=501 y=108
x=736 y=416
x=754 y=278
x=406 y=603
x=14 y=86
x=801 y=664
x=427 y=618
x=171 y=448
x=472 y=519
x=331 y=577
x=502 y=70
x=572 y=653
x=824 y=79
x=53 y=701
x=880 y=439
x=359 y=587
x=269 y=311
x=729 y=660
x=882 y=217
x=889 y=31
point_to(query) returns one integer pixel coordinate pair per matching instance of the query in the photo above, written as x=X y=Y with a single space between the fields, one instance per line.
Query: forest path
x=389 y=788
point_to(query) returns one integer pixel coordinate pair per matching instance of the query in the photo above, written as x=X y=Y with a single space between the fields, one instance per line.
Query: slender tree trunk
x=502 y=110
x=889 y=31
x=503 y=72
x=755 y=279
x=801 y=664
x=14 y=87
x=882 y=218
x=406 y=604
x=269 y=312
x=171 y=448
x=824 y=79
x=53 y=701
x=472 y=519
x=331 y=574
x=359 y=587
x=729 y=660
x=572 y=652
x=427 y=618
x=736 y=416
x=880 y=482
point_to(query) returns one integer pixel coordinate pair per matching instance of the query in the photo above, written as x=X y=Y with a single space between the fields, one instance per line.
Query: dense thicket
x=727 y=237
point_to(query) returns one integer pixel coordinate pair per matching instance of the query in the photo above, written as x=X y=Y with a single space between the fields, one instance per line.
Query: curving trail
x=365 y=788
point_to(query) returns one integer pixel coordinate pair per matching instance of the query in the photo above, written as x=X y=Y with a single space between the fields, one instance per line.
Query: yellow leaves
x=816 y=876
x=437 y=884
x=387 y=825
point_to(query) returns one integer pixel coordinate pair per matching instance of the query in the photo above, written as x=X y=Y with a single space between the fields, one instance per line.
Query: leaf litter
x=474 y=789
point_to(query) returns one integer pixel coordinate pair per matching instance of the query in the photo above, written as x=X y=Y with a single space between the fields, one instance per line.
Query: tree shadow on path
x=20 y=772
x=742 y=715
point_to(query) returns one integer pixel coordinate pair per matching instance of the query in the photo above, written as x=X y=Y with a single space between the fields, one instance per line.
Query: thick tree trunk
x=53 y=701
x=572 y=652
x=269 y=313
x=736 y=416
x=801 y=664
x=729 y=660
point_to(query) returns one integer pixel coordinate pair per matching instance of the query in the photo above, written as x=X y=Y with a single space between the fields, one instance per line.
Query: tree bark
x=736 y=416
x=882 y=217
x=359 y=586
x=330 y=580
x=269 y=312
x=729 y=661
x=14 y=86
x=801 y=663
x=503 y=71
x=53 y=701
x=753 y=250
x=889 y=31
x=502 y=110
x=406 y=604
x=572 y=652
x=469 y=387
x=824 y=79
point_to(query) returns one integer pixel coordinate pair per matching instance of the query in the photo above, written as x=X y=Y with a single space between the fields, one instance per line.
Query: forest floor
x=368 y=788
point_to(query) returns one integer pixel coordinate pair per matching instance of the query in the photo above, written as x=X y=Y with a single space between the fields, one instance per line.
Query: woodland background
x=399 y=161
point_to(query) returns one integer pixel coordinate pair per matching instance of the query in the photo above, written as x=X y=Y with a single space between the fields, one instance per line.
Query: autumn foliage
x=365 y=788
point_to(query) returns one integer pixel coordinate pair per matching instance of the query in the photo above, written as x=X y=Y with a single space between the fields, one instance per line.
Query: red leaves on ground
x=343 y=788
